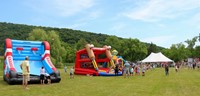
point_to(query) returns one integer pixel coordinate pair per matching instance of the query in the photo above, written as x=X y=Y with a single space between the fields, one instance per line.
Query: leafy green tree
x=152 y=48
x=191 y=44
x=166 y=52
x=70 y=53
x=38 y=34
x=133 y=49
x=57 y=51
x=179 y=52
x=197 y=52
x=96 y=43
x=114 y=42
x=81 y=44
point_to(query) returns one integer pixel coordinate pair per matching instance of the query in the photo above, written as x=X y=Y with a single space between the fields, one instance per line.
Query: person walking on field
x=25 y=72
x=166 y=70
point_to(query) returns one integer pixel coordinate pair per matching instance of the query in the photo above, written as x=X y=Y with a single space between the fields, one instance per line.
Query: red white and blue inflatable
x=39 y=55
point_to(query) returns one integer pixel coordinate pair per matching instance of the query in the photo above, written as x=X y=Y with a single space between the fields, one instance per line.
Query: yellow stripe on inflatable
x=112 y=63
x=94 y=64
x=102 y=71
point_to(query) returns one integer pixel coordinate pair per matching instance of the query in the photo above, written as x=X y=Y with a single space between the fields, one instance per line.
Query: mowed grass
x=155 y=83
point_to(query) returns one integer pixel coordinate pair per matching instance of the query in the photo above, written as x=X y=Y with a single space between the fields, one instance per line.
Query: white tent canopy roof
x=157 y=57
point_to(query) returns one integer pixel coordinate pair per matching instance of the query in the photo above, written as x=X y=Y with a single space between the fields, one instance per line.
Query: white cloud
x=156 y=10
x=60 y=7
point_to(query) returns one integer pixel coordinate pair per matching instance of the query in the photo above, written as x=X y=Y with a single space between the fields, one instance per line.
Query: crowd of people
x=131 y=69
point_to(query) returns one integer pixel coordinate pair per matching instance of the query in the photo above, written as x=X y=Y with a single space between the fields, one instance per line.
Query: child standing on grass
x=143 y=70
x=48 y=78
x=72 y=73
x=131 y=71
x=138 y=70
x=65 y=68
x=116 y=70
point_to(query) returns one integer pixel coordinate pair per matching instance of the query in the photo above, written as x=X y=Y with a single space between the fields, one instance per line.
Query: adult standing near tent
x=126 y=69
x=25 y=72
x=166 y=69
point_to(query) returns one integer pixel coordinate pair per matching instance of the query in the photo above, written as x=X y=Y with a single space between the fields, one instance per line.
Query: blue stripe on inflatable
x=48 y=68
x=109 y=74
x=26 y=42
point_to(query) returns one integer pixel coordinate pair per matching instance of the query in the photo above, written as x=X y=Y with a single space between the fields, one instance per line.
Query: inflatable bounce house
x=39 y=55
x=95 y=61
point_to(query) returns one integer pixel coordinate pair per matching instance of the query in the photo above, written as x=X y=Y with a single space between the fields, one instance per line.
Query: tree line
x=65 y=42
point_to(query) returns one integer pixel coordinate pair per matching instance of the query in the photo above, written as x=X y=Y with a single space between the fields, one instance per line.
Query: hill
x=70 y=36
x=21 y=31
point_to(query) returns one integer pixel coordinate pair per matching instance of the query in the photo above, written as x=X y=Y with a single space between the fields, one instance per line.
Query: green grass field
x=155 y=83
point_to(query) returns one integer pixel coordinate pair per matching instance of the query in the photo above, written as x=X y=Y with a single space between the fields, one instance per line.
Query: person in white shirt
x=42 y=74
x=72 y=73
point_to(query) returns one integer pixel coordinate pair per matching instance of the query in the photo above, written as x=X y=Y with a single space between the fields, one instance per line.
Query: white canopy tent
x=156 y=57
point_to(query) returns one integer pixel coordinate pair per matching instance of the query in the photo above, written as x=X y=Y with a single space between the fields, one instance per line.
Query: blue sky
x=162 y=22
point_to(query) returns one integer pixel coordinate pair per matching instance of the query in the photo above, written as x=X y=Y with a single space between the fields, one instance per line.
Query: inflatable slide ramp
x=39 y=55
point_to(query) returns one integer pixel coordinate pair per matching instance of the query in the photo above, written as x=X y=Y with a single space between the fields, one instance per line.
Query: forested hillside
x=20 y=31
x=73 y=40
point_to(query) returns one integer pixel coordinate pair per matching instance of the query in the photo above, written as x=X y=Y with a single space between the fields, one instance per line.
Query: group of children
x=71 y=73
x=130 y=69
